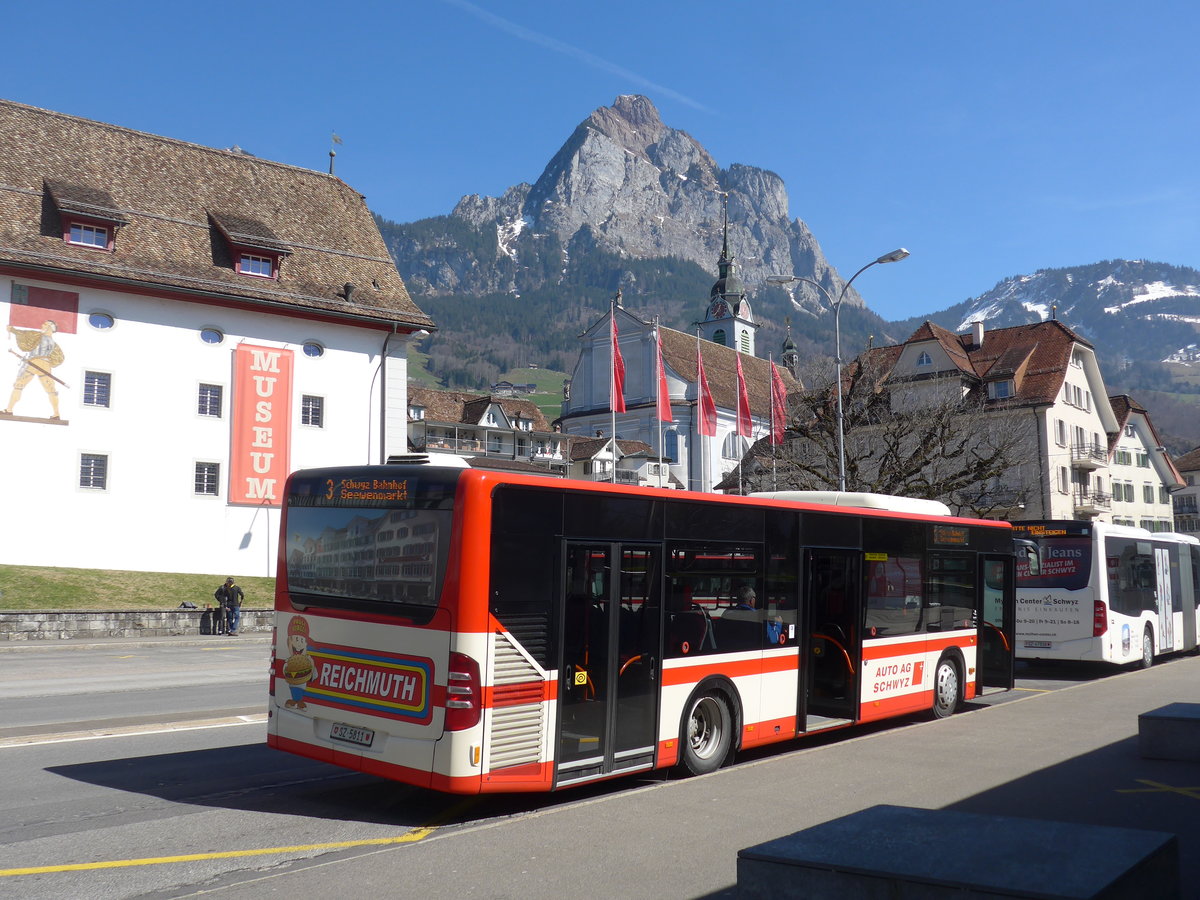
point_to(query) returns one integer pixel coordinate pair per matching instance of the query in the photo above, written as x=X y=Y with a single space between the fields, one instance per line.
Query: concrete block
x=1170 y=732
x=899 y=853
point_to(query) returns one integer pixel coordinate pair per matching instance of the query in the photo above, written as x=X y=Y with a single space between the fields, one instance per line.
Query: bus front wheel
x=708 y=732
x=1147 y=648
x=947 y=689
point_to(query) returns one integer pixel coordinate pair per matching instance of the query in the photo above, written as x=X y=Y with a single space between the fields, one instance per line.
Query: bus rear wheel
x=708 y=733
x=1147 y=648
x=947 y=689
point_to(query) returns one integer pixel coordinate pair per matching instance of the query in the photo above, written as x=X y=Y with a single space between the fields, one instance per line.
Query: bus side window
x=894 y=596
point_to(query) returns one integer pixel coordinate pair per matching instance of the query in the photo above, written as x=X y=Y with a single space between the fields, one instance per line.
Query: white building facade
x=170 y=362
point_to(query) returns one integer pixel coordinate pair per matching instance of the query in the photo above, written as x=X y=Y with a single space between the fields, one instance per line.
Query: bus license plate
x=352 y=734
x=1037 y=645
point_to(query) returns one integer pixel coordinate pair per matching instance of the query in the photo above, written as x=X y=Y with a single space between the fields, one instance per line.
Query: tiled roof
x=467 y=409
x=720 y=368
x=1039 y=353
x=168 y=192
x=1189 y=462
x=586 y=448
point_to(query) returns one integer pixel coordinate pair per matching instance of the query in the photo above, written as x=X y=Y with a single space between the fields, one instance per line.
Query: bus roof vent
x=860 y=499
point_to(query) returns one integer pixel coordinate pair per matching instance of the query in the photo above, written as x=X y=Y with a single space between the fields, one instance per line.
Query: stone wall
x=39 y=625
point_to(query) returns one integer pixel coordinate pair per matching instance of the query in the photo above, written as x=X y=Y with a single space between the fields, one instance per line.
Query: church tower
x=728 y=319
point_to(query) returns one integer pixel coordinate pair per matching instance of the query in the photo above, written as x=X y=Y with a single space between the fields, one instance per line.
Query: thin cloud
x=542 y=40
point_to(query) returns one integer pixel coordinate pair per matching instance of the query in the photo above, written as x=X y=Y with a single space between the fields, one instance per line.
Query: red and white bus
x=478 y=631
x=1106 y=593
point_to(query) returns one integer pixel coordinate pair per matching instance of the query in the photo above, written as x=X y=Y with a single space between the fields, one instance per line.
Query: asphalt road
x=140 y=771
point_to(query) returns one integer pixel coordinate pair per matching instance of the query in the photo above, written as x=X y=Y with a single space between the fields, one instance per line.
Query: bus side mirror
x=1030 y=551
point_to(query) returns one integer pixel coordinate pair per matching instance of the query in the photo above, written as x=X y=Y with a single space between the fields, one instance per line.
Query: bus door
x=997 y=624
x=831 y=651
x=610 y=669
x=1163 y=597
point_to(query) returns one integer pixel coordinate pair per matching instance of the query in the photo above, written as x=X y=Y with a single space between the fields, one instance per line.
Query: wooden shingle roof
x=175 y=200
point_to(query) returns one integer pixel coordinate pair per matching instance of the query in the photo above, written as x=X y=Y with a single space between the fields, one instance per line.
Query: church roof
x=720 y=368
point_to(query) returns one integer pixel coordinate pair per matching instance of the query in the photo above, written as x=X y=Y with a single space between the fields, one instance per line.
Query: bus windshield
x=1064 y=552
x=371 y=541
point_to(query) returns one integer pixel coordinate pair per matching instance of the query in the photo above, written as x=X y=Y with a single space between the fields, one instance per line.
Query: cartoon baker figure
x=299 y=669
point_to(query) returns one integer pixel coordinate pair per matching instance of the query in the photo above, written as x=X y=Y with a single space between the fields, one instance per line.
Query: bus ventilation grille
x=518 y=716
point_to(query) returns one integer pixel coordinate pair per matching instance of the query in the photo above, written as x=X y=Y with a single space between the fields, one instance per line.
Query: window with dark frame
x=312 y=411
x=97 y=388
x=209 y=400
x=208 y=478
x=93 y=471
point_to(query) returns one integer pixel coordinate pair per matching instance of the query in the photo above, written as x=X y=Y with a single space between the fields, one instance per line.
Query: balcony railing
x=624 y=476
x=1185 y=506
x=1089 y=456
x=1092 y=501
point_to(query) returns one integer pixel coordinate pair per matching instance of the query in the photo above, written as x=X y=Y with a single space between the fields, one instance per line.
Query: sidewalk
x=1069 y=755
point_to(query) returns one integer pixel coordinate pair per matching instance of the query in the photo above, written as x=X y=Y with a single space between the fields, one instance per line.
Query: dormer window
x=924 y=360
x=88 y=216
x=254 y=249
x=251 y=264
x=1000 y=390
x=86 y=235
x=416 y=413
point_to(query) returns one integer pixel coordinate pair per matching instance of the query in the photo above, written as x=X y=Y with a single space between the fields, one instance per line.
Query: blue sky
x=990 y=139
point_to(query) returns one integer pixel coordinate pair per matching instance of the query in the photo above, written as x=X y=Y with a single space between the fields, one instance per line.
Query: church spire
x=728 y=319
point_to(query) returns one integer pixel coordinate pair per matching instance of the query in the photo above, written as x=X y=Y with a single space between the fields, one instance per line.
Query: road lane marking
x=1035 y=690
x=96 y=734
x=1157 y=787
x=419 y=833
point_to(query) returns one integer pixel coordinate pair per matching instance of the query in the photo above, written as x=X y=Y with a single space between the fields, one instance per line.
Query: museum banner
x=262 y=420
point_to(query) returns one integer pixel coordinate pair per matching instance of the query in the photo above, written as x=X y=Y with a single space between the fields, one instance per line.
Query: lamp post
x=894 y=256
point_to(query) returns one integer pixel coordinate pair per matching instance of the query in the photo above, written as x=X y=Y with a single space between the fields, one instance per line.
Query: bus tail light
x=1099 y=618
x=463 y=693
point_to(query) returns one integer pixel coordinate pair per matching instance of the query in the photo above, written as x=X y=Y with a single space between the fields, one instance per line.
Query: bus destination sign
x=393 y=489
x=951 y=535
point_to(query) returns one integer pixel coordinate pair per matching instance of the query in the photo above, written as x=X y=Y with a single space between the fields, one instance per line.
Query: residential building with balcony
x=1088 y=457
x=487 y=430
x=1186 y=501
x=634 y=462
x=1141 y=474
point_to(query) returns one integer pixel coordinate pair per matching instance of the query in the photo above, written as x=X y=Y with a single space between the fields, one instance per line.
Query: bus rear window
x=1066 y=563
x=352 y=541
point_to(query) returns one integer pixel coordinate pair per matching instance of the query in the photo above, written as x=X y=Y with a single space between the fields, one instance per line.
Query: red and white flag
x=617 y=385
x=664 y=392
x=778 y=406
x=744 y=427
x=708 y=408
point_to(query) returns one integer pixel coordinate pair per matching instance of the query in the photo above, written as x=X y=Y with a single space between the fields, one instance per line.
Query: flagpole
x=612 y=390
x=657 y=389
x=700 y=417
x=771 y=442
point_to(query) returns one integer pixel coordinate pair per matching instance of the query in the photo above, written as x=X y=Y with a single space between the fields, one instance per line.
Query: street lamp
x=894 y=256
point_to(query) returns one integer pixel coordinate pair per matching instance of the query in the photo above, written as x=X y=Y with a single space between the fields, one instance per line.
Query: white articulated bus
x=1106 y=593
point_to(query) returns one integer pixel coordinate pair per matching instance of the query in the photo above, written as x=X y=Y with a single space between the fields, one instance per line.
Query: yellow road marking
x=417 y=834
x=1156 y=787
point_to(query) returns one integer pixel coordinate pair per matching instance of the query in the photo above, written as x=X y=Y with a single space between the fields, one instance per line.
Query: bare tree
x=937 y=440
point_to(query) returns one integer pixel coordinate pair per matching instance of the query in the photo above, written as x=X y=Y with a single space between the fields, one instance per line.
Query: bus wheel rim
x=947 y=685
x=704 y=727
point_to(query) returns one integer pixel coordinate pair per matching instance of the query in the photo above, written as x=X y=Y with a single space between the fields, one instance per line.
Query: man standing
x=230 y=596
